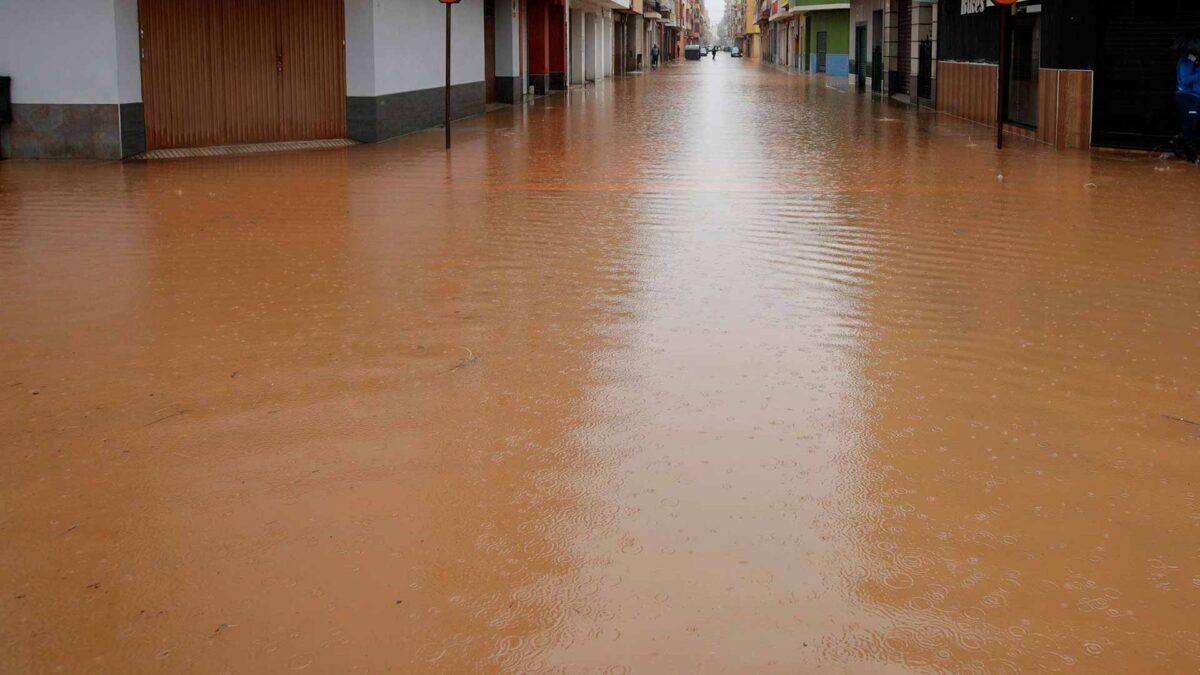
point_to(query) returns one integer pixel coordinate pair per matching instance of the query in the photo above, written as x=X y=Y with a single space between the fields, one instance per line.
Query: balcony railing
x=663 y=7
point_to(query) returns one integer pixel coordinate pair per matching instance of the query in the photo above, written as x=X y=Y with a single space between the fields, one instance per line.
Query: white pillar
x=360 y=48
x=509 y=86
x=591 y=52
x=607 y=47
x=640 y=41
x=576 y=49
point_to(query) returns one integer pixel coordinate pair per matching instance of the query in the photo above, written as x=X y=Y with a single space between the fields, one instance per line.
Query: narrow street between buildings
x=714 y=369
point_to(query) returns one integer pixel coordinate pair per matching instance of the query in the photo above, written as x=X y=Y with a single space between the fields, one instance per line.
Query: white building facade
x=106 y=79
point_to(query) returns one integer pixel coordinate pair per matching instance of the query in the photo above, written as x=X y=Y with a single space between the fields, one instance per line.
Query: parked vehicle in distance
x=736 y=52
x=691 y=52
x=704 y=51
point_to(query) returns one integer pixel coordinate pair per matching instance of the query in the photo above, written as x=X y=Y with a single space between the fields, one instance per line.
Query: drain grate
x=244 y=149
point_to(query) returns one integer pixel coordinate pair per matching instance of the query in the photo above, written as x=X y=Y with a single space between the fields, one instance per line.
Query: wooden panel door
x=182 y=93
x=216 y=72
x=313 y=69
x=250 y=68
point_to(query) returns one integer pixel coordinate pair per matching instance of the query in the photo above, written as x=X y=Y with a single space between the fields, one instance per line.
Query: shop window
x=1024 y=71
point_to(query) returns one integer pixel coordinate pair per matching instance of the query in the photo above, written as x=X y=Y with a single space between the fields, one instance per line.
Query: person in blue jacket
x=1187 y=98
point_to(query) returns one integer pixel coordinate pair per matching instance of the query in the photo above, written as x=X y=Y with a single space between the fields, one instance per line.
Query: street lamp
x=448 y=3
x=1002 y=72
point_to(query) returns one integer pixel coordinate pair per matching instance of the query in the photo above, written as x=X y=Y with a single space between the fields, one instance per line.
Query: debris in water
x=464 y=362
x=166 y=417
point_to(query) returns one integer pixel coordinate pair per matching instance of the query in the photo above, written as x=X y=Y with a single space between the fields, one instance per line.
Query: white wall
x=360 y=47
x=87 y=51
x=60 y=51
x=129 y=51
x=410 y=47
x=508 y=38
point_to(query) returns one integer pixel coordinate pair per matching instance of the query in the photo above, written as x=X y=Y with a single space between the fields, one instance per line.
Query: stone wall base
x=74 y=131
x=508 y=89
x=371 y=119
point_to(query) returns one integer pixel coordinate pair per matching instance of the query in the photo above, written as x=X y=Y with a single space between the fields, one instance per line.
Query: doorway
x=1135 y=79
x=877 y=51
x=489 y=51
x=903 y=47
x=822 y=50
x=1024 y=70
x=795 y=47
x=860 y=56
x=925 y=69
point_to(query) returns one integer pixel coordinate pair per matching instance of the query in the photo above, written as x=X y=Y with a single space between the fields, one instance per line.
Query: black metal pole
x=1002 y=77
x=448 y=76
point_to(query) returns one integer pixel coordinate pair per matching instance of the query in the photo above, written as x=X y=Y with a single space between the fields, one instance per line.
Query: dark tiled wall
x=133 y=129
x=371 y=119
x=110 y=131
x=59 y=130
x=508 y=89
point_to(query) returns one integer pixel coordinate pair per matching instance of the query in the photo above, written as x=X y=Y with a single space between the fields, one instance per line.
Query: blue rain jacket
x=1188 y=74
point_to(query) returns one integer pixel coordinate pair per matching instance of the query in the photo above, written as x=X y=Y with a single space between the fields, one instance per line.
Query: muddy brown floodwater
x=714 y=369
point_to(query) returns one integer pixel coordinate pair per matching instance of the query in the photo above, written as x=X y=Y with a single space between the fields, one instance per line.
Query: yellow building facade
x=752 y=44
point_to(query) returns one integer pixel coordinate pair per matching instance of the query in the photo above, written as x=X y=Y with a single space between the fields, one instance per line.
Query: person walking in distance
x=654 y=57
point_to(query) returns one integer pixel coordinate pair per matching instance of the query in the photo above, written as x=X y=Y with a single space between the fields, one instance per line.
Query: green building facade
x=826 y=37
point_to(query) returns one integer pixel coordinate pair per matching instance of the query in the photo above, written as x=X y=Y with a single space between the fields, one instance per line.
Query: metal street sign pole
x=446 y=122
x=1002 y=72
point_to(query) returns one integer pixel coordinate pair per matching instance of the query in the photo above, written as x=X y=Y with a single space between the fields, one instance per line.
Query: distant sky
x=716 y=10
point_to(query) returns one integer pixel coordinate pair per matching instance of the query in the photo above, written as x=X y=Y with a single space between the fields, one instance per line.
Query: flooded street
x=715 y=369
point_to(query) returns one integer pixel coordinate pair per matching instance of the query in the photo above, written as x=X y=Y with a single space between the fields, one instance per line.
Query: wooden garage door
x=242 y=71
